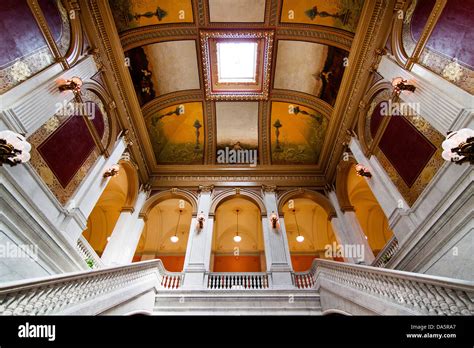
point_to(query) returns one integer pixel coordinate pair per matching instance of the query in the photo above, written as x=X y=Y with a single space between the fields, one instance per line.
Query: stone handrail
x=81 y=292
x=384 y=256
x=87 y=253
x=238 y=281
x=415 y=293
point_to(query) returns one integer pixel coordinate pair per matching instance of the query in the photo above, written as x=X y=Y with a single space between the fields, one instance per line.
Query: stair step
x=237 y=302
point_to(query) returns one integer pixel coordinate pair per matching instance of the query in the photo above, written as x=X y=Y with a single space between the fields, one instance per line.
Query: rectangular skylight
x=236 y=62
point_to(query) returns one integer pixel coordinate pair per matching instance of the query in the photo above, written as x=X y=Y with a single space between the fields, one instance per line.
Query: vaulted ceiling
x=185 y=129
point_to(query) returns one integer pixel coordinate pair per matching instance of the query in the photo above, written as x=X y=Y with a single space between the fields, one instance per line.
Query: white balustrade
x=386 y=254
x=88 y=254
x=67 y=294
x=417 y=293
x=237 y=281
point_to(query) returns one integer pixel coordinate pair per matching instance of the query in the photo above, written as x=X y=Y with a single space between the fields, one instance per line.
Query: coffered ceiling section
x=214 y=77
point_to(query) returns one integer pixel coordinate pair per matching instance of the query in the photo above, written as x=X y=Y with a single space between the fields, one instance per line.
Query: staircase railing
x=416 y=293
x=88 y=254
x=238 y=281
x=384 y=256
x=85 y=292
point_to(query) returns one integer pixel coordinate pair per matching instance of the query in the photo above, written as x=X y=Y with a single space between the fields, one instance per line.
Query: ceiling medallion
x=235 y=85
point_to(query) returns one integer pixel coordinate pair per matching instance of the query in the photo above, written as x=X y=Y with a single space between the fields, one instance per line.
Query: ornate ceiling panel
x=311 y=44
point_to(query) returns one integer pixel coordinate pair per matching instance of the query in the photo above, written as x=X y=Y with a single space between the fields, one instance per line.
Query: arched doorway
x=309 y=232
x=370 y=215
x=238 y=244
x=119 y=195
x=165 y=234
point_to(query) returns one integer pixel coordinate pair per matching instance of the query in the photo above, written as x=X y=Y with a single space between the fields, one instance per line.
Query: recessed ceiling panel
x=237 y=11
x=130 y=14
x=237 y=130
x=342 y=14
x=310 y=68
x=163 y=68
x=177 y=134
x=297 y=134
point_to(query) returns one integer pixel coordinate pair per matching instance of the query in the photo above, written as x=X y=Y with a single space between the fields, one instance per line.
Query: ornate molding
x=326 y=36
x=156 y=33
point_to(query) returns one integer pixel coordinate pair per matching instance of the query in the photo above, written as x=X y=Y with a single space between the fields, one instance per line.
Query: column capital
x=269 y=188
x=208 y=188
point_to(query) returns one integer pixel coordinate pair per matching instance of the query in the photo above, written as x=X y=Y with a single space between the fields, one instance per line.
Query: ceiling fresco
x=176 y=134
x=297 y=134
x=302 y=65
x=129 y=14
x=342 y=14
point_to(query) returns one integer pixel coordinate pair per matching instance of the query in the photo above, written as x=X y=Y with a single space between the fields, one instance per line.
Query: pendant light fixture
x=237 y=238
x=175 y=239
x=299 y=237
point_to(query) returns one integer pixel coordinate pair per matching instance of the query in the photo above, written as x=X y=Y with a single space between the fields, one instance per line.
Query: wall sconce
x=399 y=85
x=363 y=171
x=14 y=148
x=459 y=146
x=112 y=171
x=274 y=219
x=201 y=218
x=73 y=84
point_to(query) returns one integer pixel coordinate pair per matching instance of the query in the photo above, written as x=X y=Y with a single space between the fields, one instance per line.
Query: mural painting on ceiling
x=318 y=71
x=24 y=49
x=177 y=134
x=342 y=14
x=237 y=132
x=297 y=134
x=446 y=52
x=138 y=65
x=129 y=14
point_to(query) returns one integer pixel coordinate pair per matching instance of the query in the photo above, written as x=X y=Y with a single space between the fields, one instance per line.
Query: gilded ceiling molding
x=396 y=37
x=426 y=33
x=231 y=178
x=226 y=195
x=102 y=22
x=273 y=12
x=77 y=38
x=378 y=92
x=210 y=131
x=342 y=174
x=321 y=35
x=201 y=12
x=157 y=33
x=170 y=99
x=174 y=193
x=372 y=34
x=264 y=138
x=315 y=196
x=48 y=36
x=303 y=99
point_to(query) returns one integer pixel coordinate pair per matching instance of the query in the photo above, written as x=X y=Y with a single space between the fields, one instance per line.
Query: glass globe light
x=237 y=238
x=300 y=239
x=174 y=239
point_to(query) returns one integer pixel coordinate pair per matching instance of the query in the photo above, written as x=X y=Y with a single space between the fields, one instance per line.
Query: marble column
x=277 y=251
x=198 y=252
x=126 y=234
x=350 y=235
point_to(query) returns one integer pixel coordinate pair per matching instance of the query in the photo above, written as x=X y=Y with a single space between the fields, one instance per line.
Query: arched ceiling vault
x=309 y=42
